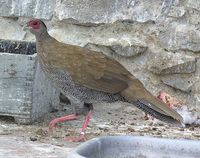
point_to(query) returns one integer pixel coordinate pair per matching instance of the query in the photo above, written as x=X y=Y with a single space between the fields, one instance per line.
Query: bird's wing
x=91 y=69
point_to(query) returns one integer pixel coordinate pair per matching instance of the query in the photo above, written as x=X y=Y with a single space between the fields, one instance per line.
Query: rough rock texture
x=183 y=82
x=172 y=63
x=29 y=8
x=158 y=41
x=125 y=51
x=179 y=36
x=103 y=11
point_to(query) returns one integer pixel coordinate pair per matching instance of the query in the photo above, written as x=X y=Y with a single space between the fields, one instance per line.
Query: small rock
x=41 y=132
x=67 y=134
x=122 y=123
x=160 y=123
x=154 y=128
x=196 y=134
x=131 y=129
x=33 y=139
x=128 y=51
x=150 y=123
x=191 y=128
x=59 y=144
x=181 y=129
x=158 y=132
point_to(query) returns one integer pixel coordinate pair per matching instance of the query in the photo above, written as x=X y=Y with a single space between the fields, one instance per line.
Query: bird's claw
x=52 y=125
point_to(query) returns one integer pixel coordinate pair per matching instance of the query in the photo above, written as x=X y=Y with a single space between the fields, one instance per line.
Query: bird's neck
x=43 y=36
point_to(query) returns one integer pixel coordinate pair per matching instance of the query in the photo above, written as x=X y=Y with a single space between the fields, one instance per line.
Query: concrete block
x=25 y=92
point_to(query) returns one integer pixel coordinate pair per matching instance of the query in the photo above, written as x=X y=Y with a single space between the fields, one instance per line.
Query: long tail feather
x=144 y=106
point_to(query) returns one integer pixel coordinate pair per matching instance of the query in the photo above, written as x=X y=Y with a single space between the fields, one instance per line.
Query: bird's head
x=36 y=26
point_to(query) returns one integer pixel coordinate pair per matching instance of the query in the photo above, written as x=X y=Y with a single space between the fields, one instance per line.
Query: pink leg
x=82 y=133
x=53 y=123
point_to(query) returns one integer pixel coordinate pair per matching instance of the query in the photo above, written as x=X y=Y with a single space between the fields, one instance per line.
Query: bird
x=86 y=77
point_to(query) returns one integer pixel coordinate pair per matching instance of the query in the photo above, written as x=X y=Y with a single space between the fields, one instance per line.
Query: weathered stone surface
x=183 y=82
x=193 y=103
x=128 y=51
x=177 y=11
x=196 y=86
x=10 y=29
x=193 y=4
x=192 y=16
x=180 y=37
x=125 y=51
x=104 y=11
x=29 y=8
x=172 y=63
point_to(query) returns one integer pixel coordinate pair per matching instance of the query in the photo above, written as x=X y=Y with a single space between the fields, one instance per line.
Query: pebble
x=33 y=139
x=131 y=129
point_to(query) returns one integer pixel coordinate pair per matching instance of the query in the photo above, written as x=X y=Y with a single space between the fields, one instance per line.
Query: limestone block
x=172 y=63
x=125 y=51
x=42 y=9
x=10 y=29
x=104 y=11
x=180 y=37
x=183 y=82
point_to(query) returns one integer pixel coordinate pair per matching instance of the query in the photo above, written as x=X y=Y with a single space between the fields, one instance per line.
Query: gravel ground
x=108 y=119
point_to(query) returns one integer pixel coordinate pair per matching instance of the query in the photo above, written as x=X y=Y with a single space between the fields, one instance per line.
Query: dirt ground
x=108 y=119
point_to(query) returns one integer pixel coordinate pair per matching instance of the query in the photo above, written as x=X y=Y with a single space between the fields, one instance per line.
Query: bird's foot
x=54 y=122
x=169 y=100
x=81 y=138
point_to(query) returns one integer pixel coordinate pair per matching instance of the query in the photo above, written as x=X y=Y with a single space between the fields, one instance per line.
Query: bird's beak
x=26 y=27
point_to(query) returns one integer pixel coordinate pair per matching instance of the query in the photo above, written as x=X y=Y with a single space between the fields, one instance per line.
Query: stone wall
x=157 y=40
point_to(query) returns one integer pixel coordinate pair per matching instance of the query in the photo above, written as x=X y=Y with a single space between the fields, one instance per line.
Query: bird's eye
x=35 y=23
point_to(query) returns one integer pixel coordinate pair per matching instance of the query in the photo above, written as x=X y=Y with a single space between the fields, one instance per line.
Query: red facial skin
x=35 y=24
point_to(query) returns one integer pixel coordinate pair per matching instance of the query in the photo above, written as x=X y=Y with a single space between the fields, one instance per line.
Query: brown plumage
x=94 y=72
